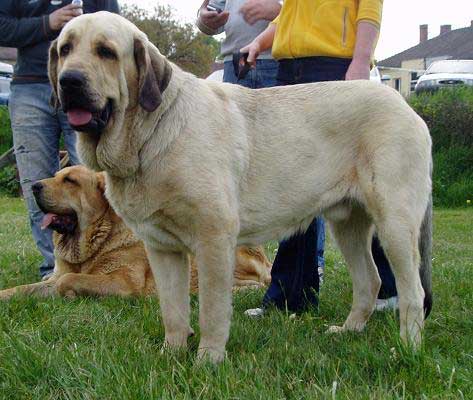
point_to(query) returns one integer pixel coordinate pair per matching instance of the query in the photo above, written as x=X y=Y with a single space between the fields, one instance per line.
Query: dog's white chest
x=157 y=237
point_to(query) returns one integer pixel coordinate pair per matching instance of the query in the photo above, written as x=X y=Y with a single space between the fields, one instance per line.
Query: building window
x=397 y=84
x=414 y=77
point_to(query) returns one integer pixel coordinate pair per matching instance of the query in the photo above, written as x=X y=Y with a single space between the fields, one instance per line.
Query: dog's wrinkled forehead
x=77 y=173
x=100 y=26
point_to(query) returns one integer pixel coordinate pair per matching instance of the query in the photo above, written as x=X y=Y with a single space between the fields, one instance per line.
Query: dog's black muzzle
x=76 y=98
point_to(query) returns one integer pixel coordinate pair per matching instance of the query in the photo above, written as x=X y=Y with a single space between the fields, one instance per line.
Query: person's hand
x=212 y=19
x=253 y=50
x=256 y=10
x=358 y=69
x=61 y=17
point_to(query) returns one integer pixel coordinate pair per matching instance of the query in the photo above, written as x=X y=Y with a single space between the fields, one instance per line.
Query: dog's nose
x=37 y=187
x=72 y=80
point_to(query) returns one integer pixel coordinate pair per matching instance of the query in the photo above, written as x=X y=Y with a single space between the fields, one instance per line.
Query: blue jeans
x=36 y=130
x=264 y=75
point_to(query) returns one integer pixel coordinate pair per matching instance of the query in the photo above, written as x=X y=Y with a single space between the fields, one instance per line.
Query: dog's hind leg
x=353 y=236
x=171 y=273
x=399 y=239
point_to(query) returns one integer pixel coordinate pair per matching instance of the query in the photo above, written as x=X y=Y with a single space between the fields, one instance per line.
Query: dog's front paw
x=209 y=355
x=69 y=294
x=335 y=329
x=7 y=293
x=168 y=348
x=348 y=326
x=176 y=341
x=66 y=287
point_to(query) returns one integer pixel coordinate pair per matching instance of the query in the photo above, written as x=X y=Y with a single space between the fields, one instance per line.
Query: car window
x=455 y=67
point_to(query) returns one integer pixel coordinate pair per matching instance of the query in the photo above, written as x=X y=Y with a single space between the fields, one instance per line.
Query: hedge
x=449 y=116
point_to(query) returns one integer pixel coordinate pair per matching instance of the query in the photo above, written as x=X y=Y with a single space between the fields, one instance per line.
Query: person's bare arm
x=256 y=10
x=262 y=42
x=210 y=22
x=366 y=37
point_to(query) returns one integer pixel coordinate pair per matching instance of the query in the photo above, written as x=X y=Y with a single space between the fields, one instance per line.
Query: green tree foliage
x=180 y=42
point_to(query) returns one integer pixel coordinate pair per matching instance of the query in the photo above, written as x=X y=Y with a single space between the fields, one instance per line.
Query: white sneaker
x=387 y=304
x=321 y=275
x=255 y=312
x=47 y=276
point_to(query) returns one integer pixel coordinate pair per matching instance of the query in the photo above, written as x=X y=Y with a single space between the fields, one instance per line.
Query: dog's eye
x=65 y=50
x=106 y=52
x=69 y=180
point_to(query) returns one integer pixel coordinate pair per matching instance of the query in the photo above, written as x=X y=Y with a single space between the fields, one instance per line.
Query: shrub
x=449 y=116
x=453 y=176
x=6 y=140
x=9 y=185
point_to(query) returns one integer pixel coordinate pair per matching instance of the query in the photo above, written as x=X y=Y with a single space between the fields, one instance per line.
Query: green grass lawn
x=110 y=348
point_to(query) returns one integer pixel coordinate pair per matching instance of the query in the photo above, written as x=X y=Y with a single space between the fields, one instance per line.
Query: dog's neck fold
x=117 y=151
x=85 y=242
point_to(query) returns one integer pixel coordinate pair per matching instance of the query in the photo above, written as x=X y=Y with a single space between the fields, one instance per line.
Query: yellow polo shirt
x=307 y=28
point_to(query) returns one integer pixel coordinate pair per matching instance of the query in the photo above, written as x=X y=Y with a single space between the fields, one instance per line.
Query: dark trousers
x=294 y=276
x=388 y=283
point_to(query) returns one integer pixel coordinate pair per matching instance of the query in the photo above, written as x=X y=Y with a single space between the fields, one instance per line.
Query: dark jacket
x=24 y=24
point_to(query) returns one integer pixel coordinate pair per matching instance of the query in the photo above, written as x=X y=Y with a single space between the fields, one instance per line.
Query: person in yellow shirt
x=315 y=41
x=342 y=31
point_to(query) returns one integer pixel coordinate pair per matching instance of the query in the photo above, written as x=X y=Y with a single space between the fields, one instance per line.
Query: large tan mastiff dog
x=201 y=167
x=96 y=254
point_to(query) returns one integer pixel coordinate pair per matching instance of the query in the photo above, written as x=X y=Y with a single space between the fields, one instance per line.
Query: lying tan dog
x=199 y=167
x=96 y=254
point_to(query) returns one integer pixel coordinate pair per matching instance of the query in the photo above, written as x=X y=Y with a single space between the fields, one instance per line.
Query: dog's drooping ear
x=154 y=75
x=52 y=73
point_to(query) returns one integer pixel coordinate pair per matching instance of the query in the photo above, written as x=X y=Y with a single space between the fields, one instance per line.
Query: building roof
x=456 y=45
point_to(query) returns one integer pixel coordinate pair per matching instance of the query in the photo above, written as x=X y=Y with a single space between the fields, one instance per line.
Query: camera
x=216 y=5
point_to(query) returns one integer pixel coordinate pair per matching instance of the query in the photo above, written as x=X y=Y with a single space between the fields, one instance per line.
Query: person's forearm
x=207 y=30
x=366 y=38
x=25 y=31
x=210 y=22
x=265 y=39
x=261 y=43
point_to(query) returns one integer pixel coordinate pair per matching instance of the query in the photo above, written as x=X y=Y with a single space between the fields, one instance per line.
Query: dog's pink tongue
x=79 y=117
x=47 y=220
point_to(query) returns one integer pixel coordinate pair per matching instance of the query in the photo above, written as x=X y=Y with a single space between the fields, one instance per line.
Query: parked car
x=6 y=73
x=216 y=76
x=446 y=74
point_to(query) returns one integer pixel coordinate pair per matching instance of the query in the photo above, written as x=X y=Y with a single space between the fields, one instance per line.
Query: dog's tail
x=425 y=249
